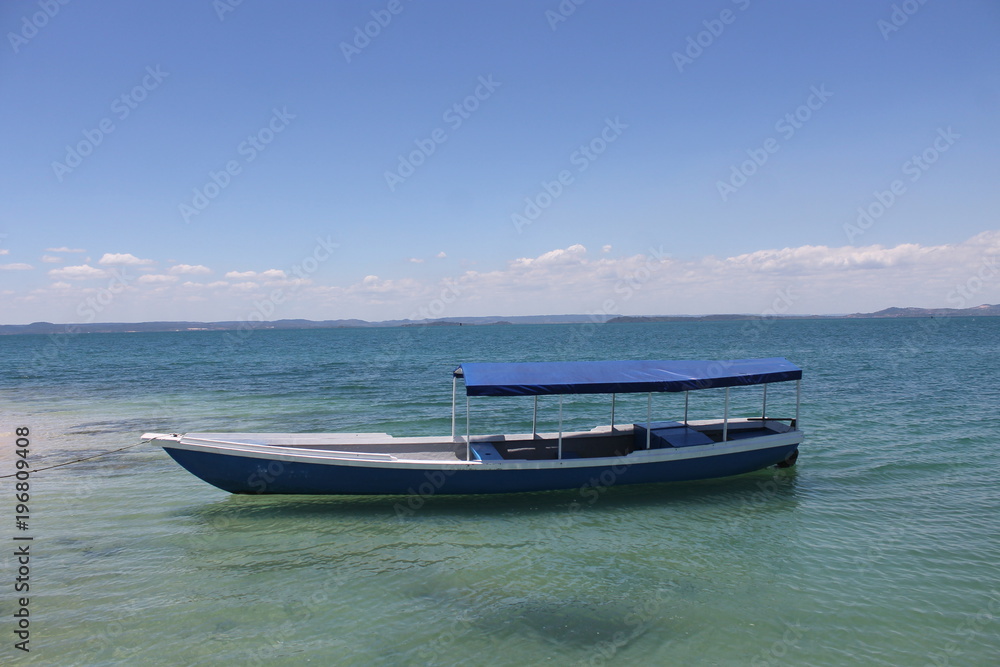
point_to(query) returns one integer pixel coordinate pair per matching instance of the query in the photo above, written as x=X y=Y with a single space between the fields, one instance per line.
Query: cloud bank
x=811 y=279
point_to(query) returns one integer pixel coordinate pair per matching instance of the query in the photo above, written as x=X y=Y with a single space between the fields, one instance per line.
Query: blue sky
x=211 y=160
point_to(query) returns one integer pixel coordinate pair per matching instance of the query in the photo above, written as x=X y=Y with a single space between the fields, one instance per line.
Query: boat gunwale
x=382 y=459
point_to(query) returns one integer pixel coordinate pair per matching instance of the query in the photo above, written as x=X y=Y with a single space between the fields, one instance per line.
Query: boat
x=649 y=451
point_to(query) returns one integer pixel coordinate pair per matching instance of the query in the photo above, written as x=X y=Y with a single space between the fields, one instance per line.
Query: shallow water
x=881 y=547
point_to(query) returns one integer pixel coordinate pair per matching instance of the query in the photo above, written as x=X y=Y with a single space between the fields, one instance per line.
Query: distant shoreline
x=45 y=328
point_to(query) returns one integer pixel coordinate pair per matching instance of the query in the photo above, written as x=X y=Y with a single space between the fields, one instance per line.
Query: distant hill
x=48 y=328
x=683 y=318
x=985 y=310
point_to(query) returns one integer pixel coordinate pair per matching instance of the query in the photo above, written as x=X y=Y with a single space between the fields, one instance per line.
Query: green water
x=881 y=547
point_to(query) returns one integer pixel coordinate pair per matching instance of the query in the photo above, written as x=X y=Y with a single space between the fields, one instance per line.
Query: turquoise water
x=881 y=547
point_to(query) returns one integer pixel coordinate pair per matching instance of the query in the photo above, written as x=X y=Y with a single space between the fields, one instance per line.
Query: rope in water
x=88 y=458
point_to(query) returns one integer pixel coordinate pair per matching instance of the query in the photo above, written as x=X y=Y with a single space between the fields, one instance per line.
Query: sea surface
x=880 y=547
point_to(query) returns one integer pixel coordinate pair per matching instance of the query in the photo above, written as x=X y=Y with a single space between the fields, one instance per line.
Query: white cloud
x=268 y=277
x=16 y=267
x=273 y=274
x=565 y=273
x=4 y=251
x=123 y=259
x=157 y=278
x=560 y=256
x=65 y=249
x=818 y=259
x=82 y=272
x=373 y=289
x=189 y=269
x=51 y=259
x=441 y=255
x=415 y=260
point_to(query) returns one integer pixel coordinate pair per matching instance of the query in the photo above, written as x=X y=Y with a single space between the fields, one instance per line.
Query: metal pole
x=612 y=412
x=468 y=446
x=534 y=420
x=725 y=422
x=454 y=386
x=686 y=407
x=559 y=453
x=763 y=409
x=649 y=416
x=798 y=397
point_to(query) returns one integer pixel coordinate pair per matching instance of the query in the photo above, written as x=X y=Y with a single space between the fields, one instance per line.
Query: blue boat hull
x=251 y=475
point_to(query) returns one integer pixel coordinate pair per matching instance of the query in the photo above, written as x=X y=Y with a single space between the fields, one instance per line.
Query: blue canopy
x=620 y=377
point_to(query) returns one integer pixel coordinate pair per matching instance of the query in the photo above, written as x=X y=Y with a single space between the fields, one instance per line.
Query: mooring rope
x=88 y=458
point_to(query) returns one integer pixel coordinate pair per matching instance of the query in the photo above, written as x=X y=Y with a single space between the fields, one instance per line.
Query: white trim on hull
x=321 y=448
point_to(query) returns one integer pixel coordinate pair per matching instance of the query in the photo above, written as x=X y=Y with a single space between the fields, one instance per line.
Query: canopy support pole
x=686 y=407
x=798 y=398
x=468 y=445
x=612 y=412
x=725 y=422
x=649 y=416
x=534 y=420
x=454 y=388
x=559 y=453
x=763 y=408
